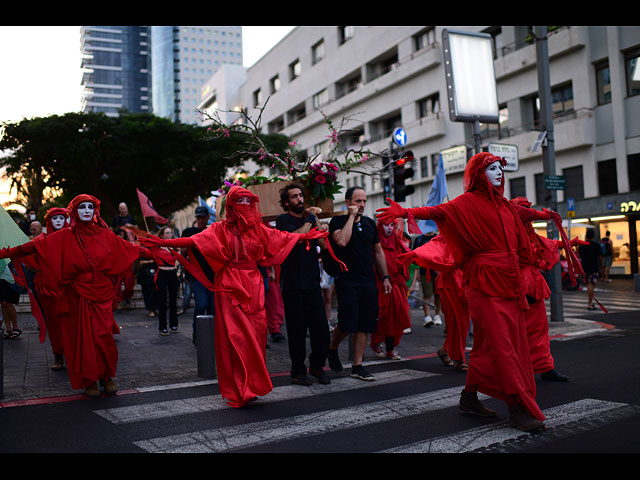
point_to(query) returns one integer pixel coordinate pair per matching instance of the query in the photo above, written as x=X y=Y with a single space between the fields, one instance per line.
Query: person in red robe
x=393 y=317
x=486 y=235
x=234 y=247
x=78 y=266
x=435 y=255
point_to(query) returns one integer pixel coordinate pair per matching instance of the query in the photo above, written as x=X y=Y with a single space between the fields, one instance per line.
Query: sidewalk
x=148 y=360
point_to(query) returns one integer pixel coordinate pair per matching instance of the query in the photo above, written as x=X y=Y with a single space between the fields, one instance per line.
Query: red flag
x=148 y=210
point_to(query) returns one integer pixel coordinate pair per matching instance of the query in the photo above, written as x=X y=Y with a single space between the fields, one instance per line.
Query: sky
x=40 y=69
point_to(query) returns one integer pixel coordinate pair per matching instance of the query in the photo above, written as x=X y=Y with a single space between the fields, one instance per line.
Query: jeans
x=204 y=303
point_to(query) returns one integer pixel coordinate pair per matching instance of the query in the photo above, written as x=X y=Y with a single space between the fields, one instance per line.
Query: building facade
x=381 y=78
x=116 y=69
x=184 y=58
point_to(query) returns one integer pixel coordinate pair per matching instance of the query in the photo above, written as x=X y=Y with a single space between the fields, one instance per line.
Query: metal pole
x=549 y=162
x=476 y=137
x=1 y=366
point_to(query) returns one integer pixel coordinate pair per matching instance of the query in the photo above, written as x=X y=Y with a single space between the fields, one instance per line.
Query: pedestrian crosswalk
x=574 y=304
x=253 y=431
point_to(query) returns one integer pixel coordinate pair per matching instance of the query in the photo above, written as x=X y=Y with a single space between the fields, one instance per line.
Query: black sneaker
x=277 y=337
x=301 y=379
x=321 y=375
x=334 y=360
x=164 y=332
x=358 y=371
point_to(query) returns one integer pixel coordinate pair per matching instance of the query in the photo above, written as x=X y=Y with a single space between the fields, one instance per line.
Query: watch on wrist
x=311 y=218
x=386 y=276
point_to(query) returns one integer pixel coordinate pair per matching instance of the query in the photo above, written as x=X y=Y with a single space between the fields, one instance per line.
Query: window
x=575 y=185
x=317 y=52
x=424 y=167
x=518 y=187
x=275 y=84
x=562 y=99
x=294 y=69
x=607 y=177
x=632 y=63
x=424 y=39
x=603 y=83
x=257 y=98
x=429 y=105
x=344 y=34
x=320 y=98
x=633 y=169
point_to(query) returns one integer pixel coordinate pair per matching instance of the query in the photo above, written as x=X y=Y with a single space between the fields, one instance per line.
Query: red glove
x=550 y=213
x=315 y=233
x=577 y=241
x=389 y=214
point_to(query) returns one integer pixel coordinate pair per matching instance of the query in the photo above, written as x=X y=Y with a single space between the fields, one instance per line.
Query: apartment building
x=382 y=78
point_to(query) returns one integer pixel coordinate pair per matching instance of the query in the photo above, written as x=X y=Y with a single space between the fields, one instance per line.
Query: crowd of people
x=480 y=272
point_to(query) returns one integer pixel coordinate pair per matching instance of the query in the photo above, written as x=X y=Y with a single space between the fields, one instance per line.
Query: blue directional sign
x=571 y=204
x=400 y=137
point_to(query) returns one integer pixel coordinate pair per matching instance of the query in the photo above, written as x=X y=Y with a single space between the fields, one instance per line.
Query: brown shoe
x=109 y=386
x=519 y=418
x=92 y=390
x=469 y=403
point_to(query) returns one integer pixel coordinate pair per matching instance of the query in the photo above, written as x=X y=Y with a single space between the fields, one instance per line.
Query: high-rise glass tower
x=183 y=58
x=116 y=69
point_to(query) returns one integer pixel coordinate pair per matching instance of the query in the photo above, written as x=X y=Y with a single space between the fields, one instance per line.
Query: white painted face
x=58 y=221
x=494 y=173
x=85 y=211
x=388 y=229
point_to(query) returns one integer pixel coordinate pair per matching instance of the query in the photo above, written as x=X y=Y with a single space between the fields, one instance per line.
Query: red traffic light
x=406 y=157
x=401 y=161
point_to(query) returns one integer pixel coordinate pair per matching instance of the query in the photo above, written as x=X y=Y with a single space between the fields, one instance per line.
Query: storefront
x=619 y=215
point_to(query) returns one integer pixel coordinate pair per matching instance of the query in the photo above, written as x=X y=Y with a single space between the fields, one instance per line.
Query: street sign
x=571 y=214
x=400 y=137
x=508 y=152
x=571 y=204
x=454 y=159
x=555 y=182
x=538 y=142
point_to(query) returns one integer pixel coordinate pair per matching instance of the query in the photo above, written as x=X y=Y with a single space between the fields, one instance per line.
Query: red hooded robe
x=234 y=247
x=77 y=266
x=393 y=316
x=486 y=236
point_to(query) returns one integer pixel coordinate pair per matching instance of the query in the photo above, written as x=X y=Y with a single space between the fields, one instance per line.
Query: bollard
x=206 y=352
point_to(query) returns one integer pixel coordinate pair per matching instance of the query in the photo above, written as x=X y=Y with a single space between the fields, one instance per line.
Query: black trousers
x=304 y=310
x=167 y=287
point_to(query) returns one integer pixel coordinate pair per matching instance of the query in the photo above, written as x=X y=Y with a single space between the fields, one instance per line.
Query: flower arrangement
x=320 y=176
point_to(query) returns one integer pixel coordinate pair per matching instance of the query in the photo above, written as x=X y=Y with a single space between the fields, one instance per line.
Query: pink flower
x=320 y=179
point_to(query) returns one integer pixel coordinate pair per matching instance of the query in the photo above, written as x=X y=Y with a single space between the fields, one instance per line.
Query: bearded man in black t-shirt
x=300 y=285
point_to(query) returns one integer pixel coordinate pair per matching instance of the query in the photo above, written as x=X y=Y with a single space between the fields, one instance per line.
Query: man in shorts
x=354 y=238
x=591 y=259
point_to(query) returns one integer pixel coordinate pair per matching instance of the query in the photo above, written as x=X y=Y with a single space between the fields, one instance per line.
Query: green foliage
x=53 y=159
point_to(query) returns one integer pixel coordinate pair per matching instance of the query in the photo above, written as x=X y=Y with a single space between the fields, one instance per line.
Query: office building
x=116 y=69
x=388 y=77
x=184 y=58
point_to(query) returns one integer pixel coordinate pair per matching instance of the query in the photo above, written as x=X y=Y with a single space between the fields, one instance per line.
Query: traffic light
x=400 y=173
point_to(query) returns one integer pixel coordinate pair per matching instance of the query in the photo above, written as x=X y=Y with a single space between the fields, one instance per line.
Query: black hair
x=284 y=194
x=590 y=233
x=349 y=193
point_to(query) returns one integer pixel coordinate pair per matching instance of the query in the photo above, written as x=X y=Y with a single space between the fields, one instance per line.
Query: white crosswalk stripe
x=154 y=411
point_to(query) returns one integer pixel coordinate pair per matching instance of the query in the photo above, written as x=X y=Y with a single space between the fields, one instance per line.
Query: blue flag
x=212 y=211
x=437 y=195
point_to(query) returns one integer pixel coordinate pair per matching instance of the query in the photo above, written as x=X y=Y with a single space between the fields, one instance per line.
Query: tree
x=110 y=157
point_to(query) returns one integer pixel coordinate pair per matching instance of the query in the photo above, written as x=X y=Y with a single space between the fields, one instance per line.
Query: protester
x=274 y=304
x=591 y=259
x=393 y=316
x=301 y=292
x=354 y=238
x=328 y=289
x=145 y=277
x=486 y=236
x=9 y=298
x=607 y=256
x=123 y=219
x=203 y=297
x=167 y=288
x=77 y=264
x=233 y=248
x=35 y=229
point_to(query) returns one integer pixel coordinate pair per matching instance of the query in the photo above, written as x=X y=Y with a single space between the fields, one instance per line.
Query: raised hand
x=315 y=233
x=390 y=213
x=150 y=241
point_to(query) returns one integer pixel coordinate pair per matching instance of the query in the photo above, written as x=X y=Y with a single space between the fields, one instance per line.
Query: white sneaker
x=428 y=321
x=437 y=320
x=407 y=330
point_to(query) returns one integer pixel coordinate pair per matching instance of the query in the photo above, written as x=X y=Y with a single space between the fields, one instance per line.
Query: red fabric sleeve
x=19 y=251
